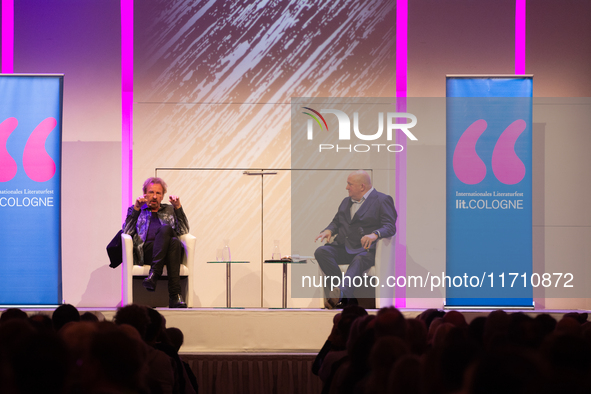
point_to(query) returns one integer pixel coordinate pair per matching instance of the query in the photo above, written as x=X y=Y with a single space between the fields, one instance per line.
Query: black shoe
x=332 y=299
x=151 y=281
x=342 y=303
x=176 y=301
x=346 y=302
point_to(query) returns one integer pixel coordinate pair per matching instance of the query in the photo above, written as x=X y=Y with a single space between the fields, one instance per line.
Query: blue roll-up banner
x=30 y=184
x=489 y=191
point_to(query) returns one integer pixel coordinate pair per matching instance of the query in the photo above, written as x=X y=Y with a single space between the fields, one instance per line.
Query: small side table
x=285 y=262
x=228 y=278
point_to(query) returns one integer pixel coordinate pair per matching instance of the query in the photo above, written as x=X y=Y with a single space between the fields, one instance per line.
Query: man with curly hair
x=155 y=227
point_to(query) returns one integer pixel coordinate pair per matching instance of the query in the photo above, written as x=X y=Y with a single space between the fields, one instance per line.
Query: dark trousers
x=330 y=256
x=165 y=250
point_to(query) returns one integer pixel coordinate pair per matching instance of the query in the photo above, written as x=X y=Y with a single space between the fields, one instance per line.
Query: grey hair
x=156 y=181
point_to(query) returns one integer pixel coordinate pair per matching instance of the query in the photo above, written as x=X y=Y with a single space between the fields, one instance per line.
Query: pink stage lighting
x=7 y=36
x=519 y=37
x=400 y=173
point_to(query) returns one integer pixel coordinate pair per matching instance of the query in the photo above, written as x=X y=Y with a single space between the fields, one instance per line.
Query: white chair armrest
x=189 y=242
x=384 y=267
x=127 y=268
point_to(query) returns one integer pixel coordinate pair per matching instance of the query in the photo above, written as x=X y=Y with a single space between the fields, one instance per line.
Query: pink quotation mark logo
x=38 y=165
x=506 y=165
x=7 y=163
x=468 y=166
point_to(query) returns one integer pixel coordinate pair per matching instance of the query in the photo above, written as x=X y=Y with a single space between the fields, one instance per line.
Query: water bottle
x=226 y=256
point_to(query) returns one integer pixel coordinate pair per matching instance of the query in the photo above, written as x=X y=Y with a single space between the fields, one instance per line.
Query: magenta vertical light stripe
x=519 y=36
x=7 y=36
x=400 y=196
x=126 y=103
x=126 y=116
x=401 y=47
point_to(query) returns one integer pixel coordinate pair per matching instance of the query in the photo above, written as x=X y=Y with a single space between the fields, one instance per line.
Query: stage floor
x=266 y=331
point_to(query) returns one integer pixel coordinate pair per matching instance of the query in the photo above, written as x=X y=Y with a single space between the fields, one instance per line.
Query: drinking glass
x=276 y=252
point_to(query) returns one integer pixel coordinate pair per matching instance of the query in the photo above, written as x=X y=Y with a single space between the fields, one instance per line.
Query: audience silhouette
x=436 y=352
x=72 y=354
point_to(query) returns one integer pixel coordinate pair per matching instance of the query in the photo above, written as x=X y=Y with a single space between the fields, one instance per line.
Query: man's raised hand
x=175 y=201
x=139 y=202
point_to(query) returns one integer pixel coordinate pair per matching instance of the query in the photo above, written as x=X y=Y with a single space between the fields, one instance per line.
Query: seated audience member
x=546 y=324
x=406 y=376
x=13 y=313
x=155 y=337
x=568 y=325
x=176 y=339
x=440 y=333
x=416 y=336
x=161 y=368
x=456 y=318
x=78 y=336
x=456 y=353
x=335 y=350
x=135 y=316
x=523 y=331
x=429 y=315
x=328 y=345
x=581 y=317
x=64 y=314
x=435 y=323
x=351 y=376
x=42 y=322
x=495 y=329
x=31 y=361
x=507 y=371
x=476 y=329
x=89 y=317
x=118 y=361
x=386 y=351
x=390 y=322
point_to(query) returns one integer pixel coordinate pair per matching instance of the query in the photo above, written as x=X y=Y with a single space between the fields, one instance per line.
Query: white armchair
x=383 y=268
x=130 y=270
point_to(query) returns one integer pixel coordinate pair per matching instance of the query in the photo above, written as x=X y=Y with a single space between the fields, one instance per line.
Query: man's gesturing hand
x=324 y=236
x=141 y=200
x=175 y=201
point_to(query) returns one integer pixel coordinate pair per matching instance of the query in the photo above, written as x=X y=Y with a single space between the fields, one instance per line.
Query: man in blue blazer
x=362 y=218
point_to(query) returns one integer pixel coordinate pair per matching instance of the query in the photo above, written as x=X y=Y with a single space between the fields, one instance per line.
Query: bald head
x=358 y=183
x=361 y=177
